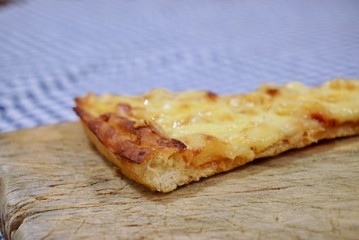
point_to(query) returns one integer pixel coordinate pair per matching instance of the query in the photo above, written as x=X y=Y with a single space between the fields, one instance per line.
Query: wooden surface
x=54 y=185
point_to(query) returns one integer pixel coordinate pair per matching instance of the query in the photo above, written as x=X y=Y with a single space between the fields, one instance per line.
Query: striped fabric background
x=54 y=50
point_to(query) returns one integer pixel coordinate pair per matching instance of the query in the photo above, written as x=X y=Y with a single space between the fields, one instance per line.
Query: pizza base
x=182 y=174
x=170 y=166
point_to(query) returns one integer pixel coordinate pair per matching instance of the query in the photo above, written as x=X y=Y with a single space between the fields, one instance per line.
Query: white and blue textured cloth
x=54 y=50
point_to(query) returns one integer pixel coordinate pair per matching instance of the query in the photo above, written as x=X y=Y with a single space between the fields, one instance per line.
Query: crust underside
x=145 y=153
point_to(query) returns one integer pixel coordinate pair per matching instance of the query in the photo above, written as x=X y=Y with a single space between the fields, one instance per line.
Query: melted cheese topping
x=253 y=121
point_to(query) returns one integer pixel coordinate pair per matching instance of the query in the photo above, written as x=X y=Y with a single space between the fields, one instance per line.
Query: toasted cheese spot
x=323 y=120
x=211 y=96
x=272 y=91
x=166 y=142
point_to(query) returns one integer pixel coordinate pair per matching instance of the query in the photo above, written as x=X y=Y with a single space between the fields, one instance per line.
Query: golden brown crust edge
x=129 y=169
x=162 y=174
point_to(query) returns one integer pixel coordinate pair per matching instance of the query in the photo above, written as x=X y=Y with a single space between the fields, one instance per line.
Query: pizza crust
x=163 y=174
x=147 y=154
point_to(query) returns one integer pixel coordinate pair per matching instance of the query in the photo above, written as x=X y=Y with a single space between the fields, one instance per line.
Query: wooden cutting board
x=54 y=185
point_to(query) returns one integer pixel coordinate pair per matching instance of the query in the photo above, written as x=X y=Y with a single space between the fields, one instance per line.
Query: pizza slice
x=164 y=140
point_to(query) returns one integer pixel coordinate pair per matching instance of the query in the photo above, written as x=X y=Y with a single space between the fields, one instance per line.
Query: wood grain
x=54 y=185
